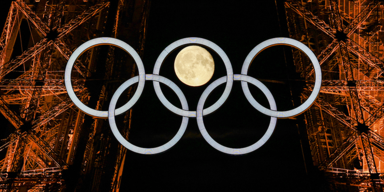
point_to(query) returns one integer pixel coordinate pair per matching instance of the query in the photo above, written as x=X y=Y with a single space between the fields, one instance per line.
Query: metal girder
x=50 y=83
x=347 y=65
x=345 y=62
x=372 y=106
x=351 y=155
x=40 y=71
x=324 y=55
x=28 y=54
x=82 y=18
x=4 y=146
x=336 y=19
x=335 y=90
x=26 y=164
x=363 y=15
x=339 y=152
x=331 y=64
x=66 y=52
x=376 y=138
x=11 y=116
x=55 y=86
x=2 y=163
x=44 y=65
x=13 y=82
x=32 y=100
x=378 y=152
x=37 y=180
x=334 y=112
x=320 y=24
x=366 y=56
x=59 y=14
x=337 y=86
x=9 y=155
x=35 y=157
x=9 y=24
x=343 y=118
x=368 y=154
x=349 y=76
x=43 y=147
x=52 y=113
x=12 y=157
x=314 y=20
x=32 y=17
x=9 y=36
x=368 y=70
x=47 y=14
x=356 y=103
x=25 y=56
x=359 y=83
x=18 y=99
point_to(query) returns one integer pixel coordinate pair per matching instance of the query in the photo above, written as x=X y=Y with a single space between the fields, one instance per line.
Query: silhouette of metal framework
x=52 y=141
x=345 y=125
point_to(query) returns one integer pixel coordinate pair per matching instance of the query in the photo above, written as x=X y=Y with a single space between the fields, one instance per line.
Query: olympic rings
x=200 y=111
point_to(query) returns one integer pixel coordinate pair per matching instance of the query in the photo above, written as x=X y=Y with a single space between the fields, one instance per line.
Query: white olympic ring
x=93 y=43
x=200 y=111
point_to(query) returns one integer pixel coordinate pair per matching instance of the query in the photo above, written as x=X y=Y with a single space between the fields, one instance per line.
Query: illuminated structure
x=51 y=138
x=345 y=126
x=200 y=112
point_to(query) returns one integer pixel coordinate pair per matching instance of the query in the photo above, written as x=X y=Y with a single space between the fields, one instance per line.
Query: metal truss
x=333 y=46
x=345 y=128
x=32 y=150
x=49 y=134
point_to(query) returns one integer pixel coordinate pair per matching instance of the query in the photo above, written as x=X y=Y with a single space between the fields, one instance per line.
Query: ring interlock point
x=200 y=111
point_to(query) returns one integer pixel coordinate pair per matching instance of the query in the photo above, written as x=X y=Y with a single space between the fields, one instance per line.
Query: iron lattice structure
x=345 y=124
x=51 y=138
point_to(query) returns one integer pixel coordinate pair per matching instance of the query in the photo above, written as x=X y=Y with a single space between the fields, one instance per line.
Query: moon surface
x=194 y=66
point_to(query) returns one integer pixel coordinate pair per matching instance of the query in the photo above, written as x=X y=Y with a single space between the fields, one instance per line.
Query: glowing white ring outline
x=222 y=148
x=200 y=111
x=88 y=45
x=296 y=44
x=127 y=144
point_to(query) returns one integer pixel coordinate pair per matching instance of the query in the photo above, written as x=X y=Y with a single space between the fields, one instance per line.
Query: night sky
x=192 y=164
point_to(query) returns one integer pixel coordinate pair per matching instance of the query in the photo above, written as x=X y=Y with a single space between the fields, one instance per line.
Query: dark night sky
x=192 y=164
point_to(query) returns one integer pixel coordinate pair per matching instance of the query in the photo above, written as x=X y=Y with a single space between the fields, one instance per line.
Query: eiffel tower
x=345 y=125
x=50 y=144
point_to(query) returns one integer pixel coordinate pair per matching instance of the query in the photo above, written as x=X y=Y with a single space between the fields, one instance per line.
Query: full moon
x=194 y=66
